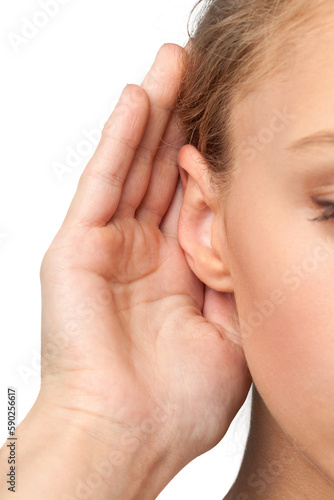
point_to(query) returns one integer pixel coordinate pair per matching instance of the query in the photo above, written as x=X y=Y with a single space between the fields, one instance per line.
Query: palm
x=135 y=338
x=147 y=310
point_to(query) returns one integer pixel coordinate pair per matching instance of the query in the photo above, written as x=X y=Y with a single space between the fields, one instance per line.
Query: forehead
x=301 y=96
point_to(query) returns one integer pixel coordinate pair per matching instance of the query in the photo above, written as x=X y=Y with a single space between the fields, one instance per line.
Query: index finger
x=100 y=185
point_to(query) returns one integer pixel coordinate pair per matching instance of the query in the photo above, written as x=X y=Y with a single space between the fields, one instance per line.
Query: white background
x=58 y=86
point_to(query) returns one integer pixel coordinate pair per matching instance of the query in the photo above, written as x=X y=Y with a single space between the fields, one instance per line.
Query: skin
x=139 y=372
x=267 y=249
x=146 y=371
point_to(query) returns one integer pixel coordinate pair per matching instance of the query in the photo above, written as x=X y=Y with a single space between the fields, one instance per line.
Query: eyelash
x=328 y=213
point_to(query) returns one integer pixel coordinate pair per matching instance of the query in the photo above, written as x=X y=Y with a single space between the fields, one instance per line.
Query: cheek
x=284 y=293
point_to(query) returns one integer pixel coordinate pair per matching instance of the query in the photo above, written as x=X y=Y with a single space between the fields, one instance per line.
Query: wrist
x=70 y=456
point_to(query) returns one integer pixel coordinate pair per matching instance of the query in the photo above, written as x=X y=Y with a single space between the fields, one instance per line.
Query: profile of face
x=265 y=246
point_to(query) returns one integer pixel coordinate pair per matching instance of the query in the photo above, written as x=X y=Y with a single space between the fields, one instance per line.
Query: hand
x=131 y=339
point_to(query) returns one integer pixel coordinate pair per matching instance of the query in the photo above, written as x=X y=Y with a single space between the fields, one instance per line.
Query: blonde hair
x=235 y=45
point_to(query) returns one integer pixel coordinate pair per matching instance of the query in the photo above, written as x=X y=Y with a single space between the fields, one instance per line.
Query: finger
x=100 y=185
x=220 y=309
x=163 y=180
x=169 y=223
x=161 y=85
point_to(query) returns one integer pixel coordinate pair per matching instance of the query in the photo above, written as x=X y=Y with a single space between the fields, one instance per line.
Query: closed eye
x=328 y=213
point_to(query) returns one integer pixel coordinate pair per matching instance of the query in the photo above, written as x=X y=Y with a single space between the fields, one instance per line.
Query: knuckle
x=106 y=176
x=144 y=155
x=111 y=132
x=168 y=156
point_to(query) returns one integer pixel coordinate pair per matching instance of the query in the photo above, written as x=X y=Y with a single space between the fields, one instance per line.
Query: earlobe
x=200 y=230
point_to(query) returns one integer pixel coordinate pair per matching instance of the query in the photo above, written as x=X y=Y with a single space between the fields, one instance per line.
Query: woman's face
x=282 y=263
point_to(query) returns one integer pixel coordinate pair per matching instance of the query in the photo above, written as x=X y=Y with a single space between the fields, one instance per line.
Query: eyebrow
x=318 y=139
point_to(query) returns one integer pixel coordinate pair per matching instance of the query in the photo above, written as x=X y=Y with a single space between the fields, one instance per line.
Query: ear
x=201 y=228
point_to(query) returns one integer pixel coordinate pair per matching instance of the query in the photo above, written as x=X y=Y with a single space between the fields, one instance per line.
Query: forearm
x=68 y=463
